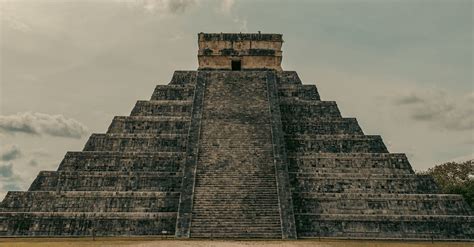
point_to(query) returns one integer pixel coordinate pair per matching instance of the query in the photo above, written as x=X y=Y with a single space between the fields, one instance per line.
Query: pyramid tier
x=301 y=109
x=357 y=183
x=64 y=224
x=296 y=91
x=359 y=226
x=287 y=77
x=106 y=181
x=176 y=108
x=322 y=126
x=173 y=92
x=123 y=161
x=149 y=125
x=136 y=142
x=90 y=201
x=380 y=203
x=335 y=144
x=184 y=77
x=363 y=163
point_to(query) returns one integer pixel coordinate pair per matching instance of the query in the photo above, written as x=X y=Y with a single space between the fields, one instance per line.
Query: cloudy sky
x=403 y=68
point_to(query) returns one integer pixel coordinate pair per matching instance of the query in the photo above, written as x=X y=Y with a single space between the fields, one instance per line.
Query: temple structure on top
x=239 y=51
x=238 y=148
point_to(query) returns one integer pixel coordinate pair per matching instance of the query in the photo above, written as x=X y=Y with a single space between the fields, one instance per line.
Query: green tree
x=455 y=178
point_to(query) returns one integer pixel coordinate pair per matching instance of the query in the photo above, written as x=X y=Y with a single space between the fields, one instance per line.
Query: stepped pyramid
x=237 y=149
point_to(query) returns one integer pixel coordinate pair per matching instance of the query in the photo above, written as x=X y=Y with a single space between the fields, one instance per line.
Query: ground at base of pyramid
x=238 y=149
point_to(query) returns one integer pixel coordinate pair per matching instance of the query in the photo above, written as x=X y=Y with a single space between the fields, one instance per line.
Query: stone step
x=230 y=226
x=231 y=215
x=383 y=226
x=62 y=224
x=259 y=173
x=136 y=143
x=230 y=189
x=233 y=196
x=247 y=204
x=322 y=126
x=364 y=163
x=162 y=108
x=284 y=78
x=235 y=225
x=106 y=181
x=334 y=175
x=298 y=91
x=335 y=144
x=237 y=234
x=242 y=178
x=173 y=92
x=407 y=185
x=184 y=77
x=235 y=212
x=371 y=203
x=231 y=130
x=301 y=109
x=90 y=201
x=149 y=125
x=123 y=161
x=238 y=230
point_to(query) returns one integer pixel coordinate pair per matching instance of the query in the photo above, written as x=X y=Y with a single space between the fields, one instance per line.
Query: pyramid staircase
x=235 y=154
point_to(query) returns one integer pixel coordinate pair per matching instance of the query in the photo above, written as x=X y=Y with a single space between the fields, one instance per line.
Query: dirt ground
x=143 y=242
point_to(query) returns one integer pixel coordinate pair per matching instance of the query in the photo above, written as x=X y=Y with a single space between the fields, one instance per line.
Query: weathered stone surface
x=123 y=161
x=236 y=160
x=172 y=108
x=236 y=154
x=90 y=201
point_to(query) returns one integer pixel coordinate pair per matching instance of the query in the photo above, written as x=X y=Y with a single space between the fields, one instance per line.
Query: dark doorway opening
x=236 y=65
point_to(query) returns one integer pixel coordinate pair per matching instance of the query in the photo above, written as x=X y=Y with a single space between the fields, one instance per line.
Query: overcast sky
x=403 y=68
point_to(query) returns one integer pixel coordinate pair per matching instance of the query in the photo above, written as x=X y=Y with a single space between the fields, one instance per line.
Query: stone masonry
x=237 y=149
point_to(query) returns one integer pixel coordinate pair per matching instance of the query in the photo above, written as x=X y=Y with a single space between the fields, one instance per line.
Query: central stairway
x=236 y=193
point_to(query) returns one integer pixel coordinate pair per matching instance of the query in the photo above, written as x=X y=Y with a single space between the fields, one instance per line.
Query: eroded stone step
x=408 y=185
x=336 y=144
x=90 y=201
x=85 y=224
x=322 y=126
x=173 y=92
x=136 y=142
x=149 y=125
x=364 y=163
x=300 y=109
x=162 y=108
x=123 y=161
x=184 y=77
x=298 y=91
x=385 y=226
x=372 y=203
x=106 y=181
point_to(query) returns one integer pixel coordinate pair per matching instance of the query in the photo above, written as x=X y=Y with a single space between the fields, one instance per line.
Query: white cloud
x=35 y=123
x=440 y=108
x=162 y=6
x=226 y=6
x=242 y=24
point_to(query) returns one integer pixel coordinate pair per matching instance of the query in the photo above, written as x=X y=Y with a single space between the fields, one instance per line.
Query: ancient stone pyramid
x=237 y=149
